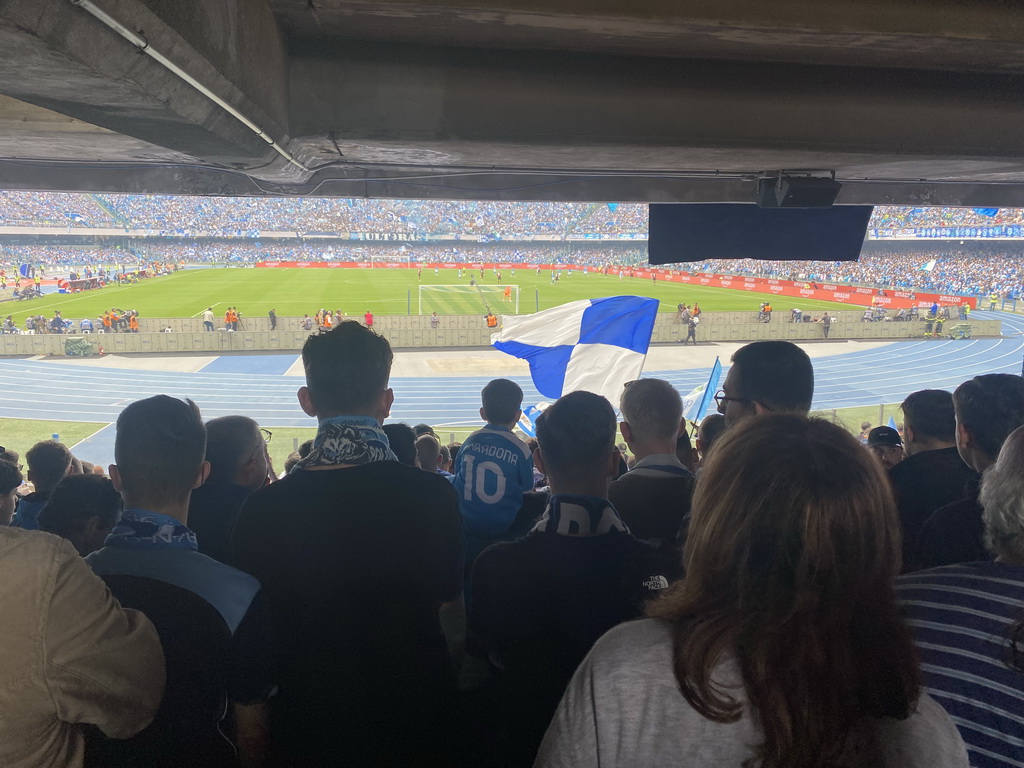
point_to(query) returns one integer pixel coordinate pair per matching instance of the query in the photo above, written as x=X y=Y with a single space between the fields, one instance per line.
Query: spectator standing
x=691 y=329
x=933 y=474
x=209 y=615
x=987 y=408
x=368 y=319
x=826 y=324
x=236 y=450
x=208 y=319
x=765 y=377
x=783 y=646
x=10 y=482
x=72 y=656
x=887 y=446
x=653 y=498
x=428 y=455
x=493 y=470
x=353 y=533
x=711 y=428
x=968 y=622
x=402 y=440
x=273 y=319
x=539 y=603
x=83 y=510
x=48 y=463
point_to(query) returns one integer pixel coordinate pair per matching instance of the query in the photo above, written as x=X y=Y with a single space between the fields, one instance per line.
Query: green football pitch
x=293 y=292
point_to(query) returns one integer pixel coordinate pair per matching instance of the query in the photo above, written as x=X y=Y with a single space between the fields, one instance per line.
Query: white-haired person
x=783 y=646
x=968 y=623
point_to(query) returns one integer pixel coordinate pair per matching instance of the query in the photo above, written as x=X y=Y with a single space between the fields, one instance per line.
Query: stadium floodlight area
x=468 y=299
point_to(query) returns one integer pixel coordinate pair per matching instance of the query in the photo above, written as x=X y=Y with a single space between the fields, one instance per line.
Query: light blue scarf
x=141 y=529
x=348 y=440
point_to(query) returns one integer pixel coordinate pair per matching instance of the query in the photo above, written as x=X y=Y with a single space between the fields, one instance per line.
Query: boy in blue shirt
x=493 y=470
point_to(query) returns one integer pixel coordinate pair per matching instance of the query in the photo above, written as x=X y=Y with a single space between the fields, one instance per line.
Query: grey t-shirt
x=623 y=708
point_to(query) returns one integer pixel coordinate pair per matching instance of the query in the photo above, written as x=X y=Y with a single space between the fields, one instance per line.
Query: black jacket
x=922 y=483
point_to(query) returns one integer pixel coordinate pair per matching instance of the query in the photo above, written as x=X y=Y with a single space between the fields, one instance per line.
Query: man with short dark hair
x=403 y=442
x=767 y=376
x=209 y=615
x=10 y=482
x=933 y=474
x=493 y=470
x=540 y=602
x=236 y=450
x=358 y=554
x=49 y=462
x=987 y=409
x=653 y=498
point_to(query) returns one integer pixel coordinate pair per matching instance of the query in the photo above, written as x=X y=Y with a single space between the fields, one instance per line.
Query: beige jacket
x=69 y=654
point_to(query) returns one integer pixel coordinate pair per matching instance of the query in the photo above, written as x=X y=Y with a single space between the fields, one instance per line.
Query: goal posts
x=468 y=299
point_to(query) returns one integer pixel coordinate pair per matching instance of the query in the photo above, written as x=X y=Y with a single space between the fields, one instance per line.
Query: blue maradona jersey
x=493 y=470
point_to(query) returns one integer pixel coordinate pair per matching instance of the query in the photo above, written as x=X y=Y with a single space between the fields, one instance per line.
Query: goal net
x=469 y=299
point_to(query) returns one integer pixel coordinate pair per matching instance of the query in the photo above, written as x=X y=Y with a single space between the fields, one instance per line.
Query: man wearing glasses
x=765 y=377
x=236 y=448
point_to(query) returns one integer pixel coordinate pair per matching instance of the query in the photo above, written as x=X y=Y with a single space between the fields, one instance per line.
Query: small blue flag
x=892 y=423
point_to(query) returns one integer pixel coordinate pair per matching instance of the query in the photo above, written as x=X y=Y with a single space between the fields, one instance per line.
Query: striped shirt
x=961 y=616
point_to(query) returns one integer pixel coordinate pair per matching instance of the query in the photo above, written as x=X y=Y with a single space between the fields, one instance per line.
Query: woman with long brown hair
x=783 y=646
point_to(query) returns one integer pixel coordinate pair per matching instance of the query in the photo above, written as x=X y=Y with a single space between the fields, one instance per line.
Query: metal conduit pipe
x=143 y=45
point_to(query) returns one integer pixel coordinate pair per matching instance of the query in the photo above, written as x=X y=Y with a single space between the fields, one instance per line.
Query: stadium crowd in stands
x=193 y=230
x=512 y=603
x=234 y=215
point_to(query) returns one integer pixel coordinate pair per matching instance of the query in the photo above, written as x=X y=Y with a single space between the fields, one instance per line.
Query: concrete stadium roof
x=907 y=101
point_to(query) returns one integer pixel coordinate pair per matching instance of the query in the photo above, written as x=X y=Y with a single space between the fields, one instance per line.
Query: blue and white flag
x=928 y=266
x=695 y=404
x=892 y=423
x=528 y=419
x=595 y=345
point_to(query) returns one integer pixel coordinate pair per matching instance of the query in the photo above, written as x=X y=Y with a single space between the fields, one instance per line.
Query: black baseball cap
x=884 y=436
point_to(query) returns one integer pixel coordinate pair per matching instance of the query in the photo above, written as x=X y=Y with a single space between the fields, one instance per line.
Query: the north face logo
x=654 y=583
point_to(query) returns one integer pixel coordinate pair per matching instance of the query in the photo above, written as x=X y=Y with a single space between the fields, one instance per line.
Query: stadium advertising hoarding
x=858 y=296
x=1001 y=232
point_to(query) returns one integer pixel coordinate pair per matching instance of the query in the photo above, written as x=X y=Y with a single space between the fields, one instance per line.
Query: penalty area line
x=211 y=306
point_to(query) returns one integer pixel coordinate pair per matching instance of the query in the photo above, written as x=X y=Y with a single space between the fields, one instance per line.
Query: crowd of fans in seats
x=778 y=594
x=59 y=259
x=948 y=266
x=981 y=268
x=902 y=217
x=246 y=215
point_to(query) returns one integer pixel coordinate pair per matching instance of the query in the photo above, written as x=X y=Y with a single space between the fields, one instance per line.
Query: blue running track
x=255 y=387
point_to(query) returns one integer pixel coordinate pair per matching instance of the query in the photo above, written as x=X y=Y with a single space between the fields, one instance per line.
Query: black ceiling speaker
x=797 y=192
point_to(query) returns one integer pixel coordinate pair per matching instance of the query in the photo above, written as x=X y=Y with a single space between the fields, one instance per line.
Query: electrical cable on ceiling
x=143 y=45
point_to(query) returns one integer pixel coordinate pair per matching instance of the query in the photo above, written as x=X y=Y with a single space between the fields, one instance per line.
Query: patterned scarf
x=348 y=440
x=140 y=529
x=569 y=515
